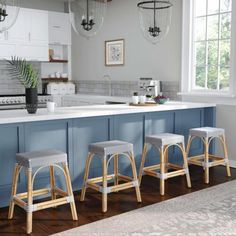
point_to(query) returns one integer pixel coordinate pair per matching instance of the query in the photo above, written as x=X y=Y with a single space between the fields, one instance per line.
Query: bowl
x=160 y=99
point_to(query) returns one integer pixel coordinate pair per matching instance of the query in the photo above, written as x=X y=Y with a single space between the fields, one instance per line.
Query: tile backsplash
x=122 y=88
x=13 y=86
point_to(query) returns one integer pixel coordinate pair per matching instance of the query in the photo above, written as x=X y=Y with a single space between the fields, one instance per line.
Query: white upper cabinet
x=19 y=32
x=39 y=27
x=59 y=28
x=28 y=37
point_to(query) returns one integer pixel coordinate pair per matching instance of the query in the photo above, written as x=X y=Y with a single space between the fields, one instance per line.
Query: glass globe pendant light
x=155 y=19
x=87 y=16
x=9 y=10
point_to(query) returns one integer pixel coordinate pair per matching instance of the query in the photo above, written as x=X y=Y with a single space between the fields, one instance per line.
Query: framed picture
x=114 y=52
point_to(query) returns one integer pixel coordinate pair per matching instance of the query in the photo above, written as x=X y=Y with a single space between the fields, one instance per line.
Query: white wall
x=226 y=115
x=161 y=61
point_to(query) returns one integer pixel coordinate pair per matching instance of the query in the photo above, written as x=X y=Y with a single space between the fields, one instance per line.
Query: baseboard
x=232 y=163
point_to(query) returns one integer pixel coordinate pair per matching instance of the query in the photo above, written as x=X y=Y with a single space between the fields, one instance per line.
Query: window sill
x=200 y=94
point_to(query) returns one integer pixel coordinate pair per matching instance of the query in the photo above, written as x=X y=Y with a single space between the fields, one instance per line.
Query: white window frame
x=188 y=54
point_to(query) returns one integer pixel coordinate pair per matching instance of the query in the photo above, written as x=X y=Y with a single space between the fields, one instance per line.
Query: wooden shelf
x=55 y=79
x=58 y=61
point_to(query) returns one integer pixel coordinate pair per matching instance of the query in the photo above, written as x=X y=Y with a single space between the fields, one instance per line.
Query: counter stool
x=206 y=160
x=40 y=160
x=162 y=142
x=107 y=151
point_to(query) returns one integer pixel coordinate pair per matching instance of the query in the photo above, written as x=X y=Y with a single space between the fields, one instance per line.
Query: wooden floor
x=58 y=219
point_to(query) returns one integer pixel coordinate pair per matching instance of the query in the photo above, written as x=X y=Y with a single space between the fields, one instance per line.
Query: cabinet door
x=39 y=27
x=19 y=32
x=59 y=28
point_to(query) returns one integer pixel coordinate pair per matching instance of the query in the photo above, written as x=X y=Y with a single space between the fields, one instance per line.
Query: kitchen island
x=71 y=129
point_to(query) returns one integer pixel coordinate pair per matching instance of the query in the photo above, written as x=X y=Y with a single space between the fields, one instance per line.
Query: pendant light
x=9 y=10
x=87 y=16
x=155 y=19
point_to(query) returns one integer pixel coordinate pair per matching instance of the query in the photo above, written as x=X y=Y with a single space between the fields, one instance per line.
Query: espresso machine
x=149 y=87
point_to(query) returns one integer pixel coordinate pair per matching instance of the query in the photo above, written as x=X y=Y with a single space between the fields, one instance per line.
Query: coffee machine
x=149 y=87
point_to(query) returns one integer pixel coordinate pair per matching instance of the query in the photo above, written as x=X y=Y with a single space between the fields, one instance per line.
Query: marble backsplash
x=93 y=87
x=122 y=88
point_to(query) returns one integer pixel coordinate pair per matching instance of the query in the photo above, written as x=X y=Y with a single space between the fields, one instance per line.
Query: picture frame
x=115 y=52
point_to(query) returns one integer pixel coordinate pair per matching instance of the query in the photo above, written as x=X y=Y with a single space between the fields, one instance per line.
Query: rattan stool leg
x=70 y=191
x=30 y=201
x=14 y=190
x=116 y=170
x=52 y=182
x=135 y=177
x=166 y=159
x=206 y=144
x=86 y=174
x=162 y=171
x=104 y=184
x=144 y=154
x=186 y=165
x=190 y=140
x=226 y=155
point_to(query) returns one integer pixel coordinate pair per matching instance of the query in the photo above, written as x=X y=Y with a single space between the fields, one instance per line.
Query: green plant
x=22 y=70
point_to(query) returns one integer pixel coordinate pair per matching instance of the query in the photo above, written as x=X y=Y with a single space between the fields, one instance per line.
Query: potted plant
x=22 y=70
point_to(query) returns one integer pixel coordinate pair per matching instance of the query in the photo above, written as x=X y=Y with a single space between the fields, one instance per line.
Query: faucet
x=108 y=77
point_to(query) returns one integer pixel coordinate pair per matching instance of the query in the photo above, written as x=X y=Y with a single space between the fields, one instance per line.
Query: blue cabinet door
x=186 y=120
x=10 y=144
x=86 y=131
x=129 y=128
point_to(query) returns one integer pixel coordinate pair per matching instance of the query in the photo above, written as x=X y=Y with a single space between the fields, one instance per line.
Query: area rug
x=211 y=211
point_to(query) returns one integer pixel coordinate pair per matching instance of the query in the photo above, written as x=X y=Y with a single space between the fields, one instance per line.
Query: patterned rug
x=207 y=212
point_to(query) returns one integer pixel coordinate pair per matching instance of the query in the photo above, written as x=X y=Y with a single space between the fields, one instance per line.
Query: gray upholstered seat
x=110 y=147
x=163 y=139
x=41 y=158
x=206 y=132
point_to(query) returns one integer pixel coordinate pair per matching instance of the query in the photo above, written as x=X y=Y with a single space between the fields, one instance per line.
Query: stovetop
x=9 y=102
x=19 y=95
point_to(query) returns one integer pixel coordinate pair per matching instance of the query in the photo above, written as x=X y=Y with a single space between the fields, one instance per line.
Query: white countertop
x=19 y=116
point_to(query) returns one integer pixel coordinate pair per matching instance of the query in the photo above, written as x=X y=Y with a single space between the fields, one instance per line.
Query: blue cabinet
x=74 y=135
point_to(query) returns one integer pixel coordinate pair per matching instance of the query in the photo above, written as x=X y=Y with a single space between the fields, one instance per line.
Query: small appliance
x=149 y=87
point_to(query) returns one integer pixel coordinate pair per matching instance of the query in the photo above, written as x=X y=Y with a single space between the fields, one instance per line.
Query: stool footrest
x=18 y=199
x=124 y=178
x=42 y=205
x=35 y=193
x=114 y=188
x=154 y=167
x=100 y=179
x=166 y=175
x=214 y=161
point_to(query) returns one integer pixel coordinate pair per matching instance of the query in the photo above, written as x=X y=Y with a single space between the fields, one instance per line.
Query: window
x=207 y=46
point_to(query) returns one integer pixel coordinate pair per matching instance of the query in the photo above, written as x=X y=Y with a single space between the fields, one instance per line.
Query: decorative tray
x=144 y=104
